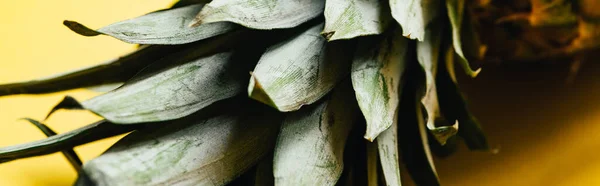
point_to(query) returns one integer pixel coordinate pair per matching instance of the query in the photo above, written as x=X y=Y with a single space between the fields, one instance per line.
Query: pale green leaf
x=179 y=84
x=191 y=151
x=377 y=68
x=166 y=27
x=260 y=14
x=428 y=53
x=310 y=146
x=456 y=10
x=387 y=145
x=64 y=141
x=346 y=19
x=114 y=71
x=173 y=93
x=299 y=71
x=412 y=133
x=414 y=15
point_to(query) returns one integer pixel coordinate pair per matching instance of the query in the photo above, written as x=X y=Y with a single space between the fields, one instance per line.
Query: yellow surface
x=34 y=43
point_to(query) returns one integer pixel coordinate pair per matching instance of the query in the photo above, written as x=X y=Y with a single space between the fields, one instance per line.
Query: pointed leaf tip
x=255 y=91
x=67 y=103
x=80 y=29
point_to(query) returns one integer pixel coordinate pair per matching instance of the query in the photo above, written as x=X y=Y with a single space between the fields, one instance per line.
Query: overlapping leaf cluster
x=330 y=72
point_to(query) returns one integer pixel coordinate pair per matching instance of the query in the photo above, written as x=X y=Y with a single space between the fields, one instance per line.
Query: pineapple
x=296 y=92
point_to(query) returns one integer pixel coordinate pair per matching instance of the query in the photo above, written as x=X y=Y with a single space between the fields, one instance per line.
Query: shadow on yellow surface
x=547 y=131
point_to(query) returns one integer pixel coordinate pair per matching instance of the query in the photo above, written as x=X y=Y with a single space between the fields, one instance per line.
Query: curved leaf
x=453 y=106
x=190 y=151
x=346 y=19
x=114 y=71
x=310 y=146
x=376 y=77
x=414 y=144
x=299 y=71
x=60 y=142
x=168 y=27
x=414 y=15
x=456 y=9
x=260 y=14
x=428 y=54
x=177 y=85
x=69 y=154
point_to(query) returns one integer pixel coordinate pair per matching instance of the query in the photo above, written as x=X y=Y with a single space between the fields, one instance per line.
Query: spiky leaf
x=346 y=19
x=167 y=27
x=456 y=9
x=299 y=71
x=428 y=53
x=114 y=71
x=260 y=14
x=414 y=15
x=189 y=151
x=310 y=146
x=376 y=71
x=68 y=140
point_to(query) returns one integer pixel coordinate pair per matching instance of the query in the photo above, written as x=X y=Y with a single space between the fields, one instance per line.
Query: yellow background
x=33 y=44
x=548 y=131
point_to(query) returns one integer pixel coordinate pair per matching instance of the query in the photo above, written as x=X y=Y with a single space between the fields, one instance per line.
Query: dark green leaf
x=90 y=133
x=69 y=154
x=114 y=71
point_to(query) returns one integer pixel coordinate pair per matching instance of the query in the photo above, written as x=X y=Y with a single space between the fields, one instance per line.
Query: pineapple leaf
x=194 y=150
x=376 y=74
x=286 y=79
x=454 y=107
x=412 y=132
x=60 y=142
x=387 y=145
x=69 y=154
x=428 y=54
x=346 y=19
x=195 y=76
x=414 y=15
x=114 y=71
x=260 y=14
x=168 y=27
x=310 y=146
x=456 y=9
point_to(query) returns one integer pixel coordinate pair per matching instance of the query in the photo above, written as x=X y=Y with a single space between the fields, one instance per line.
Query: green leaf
x=60 y=142
x=377 y=69
x=387 y=145
x=114 y=71
x=310 y=146
x=191 y=151
x=346 y=19
x=260 y=14
x=414 y=16
x=286 y=78
x=428 y=53
x=69 y=154
x=169 y=27
x=178 y=85
x=412 y=132
x=456 y=9
x=454 y=107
